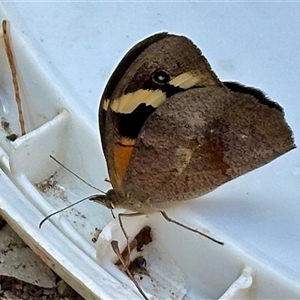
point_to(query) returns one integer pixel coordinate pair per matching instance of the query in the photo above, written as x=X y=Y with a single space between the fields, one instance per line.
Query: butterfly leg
x=120 y=216
x=164 y=214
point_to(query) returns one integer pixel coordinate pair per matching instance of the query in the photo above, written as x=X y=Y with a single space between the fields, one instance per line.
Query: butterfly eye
x=160 y=77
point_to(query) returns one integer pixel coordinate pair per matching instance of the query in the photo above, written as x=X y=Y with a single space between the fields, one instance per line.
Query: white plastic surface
x=65 y=53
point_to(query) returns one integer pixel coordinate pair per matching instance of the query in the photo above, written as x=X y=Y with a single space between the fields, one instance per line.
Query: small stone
x=19 y=286
x=10 y=296
x=51 y=291
x=62 y=288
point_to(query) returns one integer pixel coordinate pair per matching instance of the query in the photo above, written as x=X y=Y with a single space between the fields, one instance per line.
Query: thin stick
x=115 y=247
x=139 y=241
x=189 y=228
x=13 y=70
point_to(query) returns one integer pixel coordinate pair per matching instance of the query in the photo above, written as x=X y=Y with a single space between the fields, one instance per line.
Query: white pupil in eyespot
x=161 y=77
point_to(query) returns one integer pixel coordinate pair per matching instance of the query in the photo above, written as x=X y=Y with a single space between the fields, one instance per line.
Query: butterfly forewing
x=149 y=75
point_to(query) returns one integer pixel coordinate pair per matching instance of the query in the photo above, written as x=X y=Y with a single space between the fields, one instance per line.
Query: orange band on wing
x=122 y=155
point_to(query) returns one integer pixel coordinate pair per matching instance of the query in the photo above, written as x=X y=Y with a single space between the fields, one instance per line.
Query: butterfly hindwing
x=200 y=139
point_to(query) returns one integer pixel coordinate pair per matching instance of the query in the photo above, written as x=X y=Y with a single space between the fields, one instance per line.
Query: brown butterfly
x=172 y=131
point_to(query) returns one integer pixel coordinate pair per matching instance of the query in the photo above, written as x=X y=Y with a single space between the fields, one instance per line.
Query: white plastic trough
x=182 y=264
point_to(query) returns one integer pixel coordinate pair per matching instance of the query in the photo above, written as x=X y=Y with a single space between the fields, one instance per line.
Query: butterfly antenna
x=62 y=209
x=78 y=177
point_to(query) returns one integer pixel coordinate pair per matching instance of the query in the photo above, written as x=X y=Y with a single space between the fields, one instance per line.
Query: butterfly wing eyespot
x=160 y=77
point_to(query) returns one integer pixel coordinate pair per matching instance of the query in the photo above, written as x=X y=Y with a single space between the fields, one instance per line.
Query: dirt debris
x=14 y=289
x=39 y=285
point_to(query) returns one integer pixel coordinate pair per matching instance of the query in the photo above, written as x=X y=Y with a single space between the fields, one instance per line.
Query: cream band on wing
x=184 y=80
x=126 y=104
x=190 y=79
x=126 y=142
x=105 y=104
x=129 y=102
